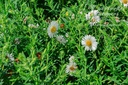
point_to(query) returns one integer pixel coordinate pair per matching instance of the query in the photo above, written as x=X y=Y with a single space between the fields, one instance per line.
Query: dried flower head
x=71 y=68
x=61 y=25
x=61 y=39
x=38 y=55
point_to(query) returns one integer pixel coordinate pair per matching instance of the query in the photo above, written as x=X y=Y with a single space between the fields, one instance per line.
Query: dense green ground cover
x=28 y=56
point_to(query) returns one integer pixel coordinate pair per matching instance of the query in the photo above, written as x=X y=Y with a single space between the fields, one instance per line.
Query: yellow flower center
x=88 y=43
x=72 y=68
x=91 y=14
x=124 y=1
x=67 y=14
x=53 y=29
x=93 y=20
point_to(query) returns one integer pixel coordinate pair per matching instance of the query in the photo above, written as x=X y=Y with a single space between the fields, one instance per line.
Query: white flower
x=93 y=17
x=73 y=16
x=71 y=68
x=89 y=42
x=33 y=26
x=94 y=20
x=61 y=39
x=71 y=59
x=124 y=2
x=10 y=56
x=92 y=14
x=52 y=29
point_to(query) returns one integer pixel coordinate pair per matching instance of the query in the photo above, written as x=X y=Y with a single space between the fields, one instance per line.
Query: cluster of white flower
x=93 y=17
x=33 y=26
x=90 y=44
x=88 y=41
x=53 y=30
x=71 y=67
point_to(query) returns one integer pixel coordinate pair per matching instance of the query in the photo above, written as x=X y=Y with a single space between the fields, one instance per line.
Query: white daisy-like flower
x=10 y=56
x=94 y=20
x=89 y=42
x=93 y=17
x=71 y=68
x=124 y=2
x=52 y=29
x=71 y=59
x=61 y=39
x=91 y=14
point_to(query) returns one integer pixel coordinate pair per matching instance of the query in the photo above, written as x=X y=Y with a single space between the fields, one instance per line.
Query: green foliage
x=40 y=60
